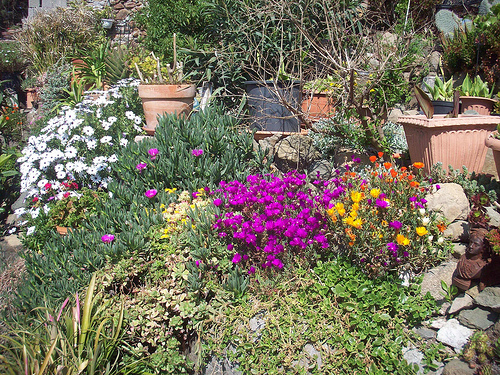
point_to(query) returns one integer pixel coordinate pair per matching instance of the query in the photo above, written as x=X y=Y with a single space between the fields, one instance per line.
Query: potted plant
x=72 y=208
x=456 y=140
x=163 y=90
x=476 y=96
x=442 y=95
x=30 y=86
x=318 y=98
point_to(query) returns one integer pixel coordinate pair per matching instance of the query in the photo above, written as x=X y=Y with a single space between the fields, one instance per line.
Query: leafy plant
x=449 y=291
x=81 y=339
x=10 y=57
x=441 y=90
x=475 y=88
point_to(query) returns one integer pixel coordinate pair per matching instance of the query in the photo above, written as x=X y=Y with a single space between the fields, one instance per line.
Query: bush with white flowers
x=79 y=144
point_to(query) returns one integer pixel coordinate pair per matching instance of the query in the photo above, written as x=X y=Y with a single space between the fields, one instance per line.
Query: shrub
x=81 y=143
x=55 y=35
x=189 y=153
x=381 y=219
x=10 y=57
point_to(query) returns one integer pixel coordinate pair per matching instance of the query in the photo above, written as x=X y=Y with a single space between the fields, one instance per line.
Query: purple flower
x=150 y=193
x=413 y=199
x=197 y=152
x=438 y=187
x=405 y=253
x=153 y=152
x=396 y=224
x=251 y=271
x=141 y=166
x=217 y=202
x=392 y=246
x=107 y=238
x=230 y=247
x=381 y=203
x=197 y=263
x=236 y=258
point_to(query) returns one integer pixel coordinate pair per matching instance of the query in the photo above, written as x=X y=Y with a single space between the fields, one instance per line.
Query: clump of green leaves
x=354 y=322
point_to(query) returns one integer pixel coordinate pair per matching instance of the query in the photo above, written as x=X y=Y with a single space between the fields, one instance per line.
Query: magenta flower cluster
x=197 y=152
x=108 y=238
x=268 y=217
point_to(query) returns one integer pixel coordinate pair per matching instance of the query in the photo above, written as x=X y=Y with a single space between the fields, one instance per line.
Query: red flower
x=373 y=158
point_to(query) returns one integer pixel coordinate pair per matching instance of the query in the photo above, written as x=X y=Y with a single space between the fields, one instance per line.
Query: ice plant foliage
x=381 y=217
x=267 y=219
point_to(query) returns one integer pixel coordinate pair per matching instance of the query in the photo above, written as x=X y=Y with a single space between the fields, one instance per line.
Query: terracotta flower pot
x=452 y=141
x=483 y=106
x=494 y=144
x=169 y=99
x=317 y=105
x=31 y=97
x=63 y=230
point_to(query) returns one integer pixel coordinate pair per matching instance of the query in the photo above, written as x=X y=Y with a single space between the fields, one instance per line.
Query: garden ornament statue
x=471 y=264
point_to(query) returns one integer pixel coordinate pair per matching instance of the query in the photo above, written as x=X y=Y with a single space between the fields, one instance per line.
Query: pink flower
x=48 y=185
x=236 y=258
x=150 y=193
x=141 y=166
x=108 y=238
x=217 y=202
x=197 y=152
x=35 y=199
x=153 y=152
x=66 y=195
x=251 y=271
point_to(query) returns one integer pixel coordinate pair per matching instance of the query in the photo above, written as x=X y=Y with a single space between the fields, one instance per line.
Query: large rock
x=458 y=367
x=432 y=279
x=458 y=231
x=459 y=249
x=494 y=216
x=295 y=152
x=453 y=334
x=450 y=201
x=489 y=298
x=323 y=167
x=477 y=318
x=460 y=303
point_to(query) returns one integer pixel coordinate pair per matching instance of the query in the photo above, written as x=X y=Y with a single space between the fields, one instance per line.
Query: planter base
x=452 y=141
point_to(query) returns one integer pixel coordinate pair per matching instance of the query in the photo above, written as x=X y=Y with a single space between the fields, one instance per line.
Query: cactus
x=485 y=6
x=447 y=22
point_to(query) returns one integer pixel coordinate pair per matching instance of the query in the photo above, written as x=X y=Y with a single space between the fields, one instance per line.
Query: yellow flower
x=331 y=212
x=375 y=192
x=355 y=206
x=341 y=212
x=349 y=220
x=357 y=223
x=384 y=223
x=356 y=196
x=421 y=231
x=402 y=240
x=353 y=214
x=340 y=209
x=162 y=205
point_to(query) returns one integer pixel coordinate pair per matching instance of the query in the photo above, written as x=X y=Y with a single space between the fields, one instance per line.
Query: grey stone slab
x=489 y=298
x=477 y=318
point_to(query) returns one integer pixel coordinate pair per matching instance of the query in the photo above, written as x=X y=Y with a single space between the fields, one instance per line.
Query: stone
x=477 y=318
x=19 y=203
x=459 y=249
x=458 y=367
x=140 y=138
x=295 y=152
x=460 y=303
x=473 y=292
x=414 y=356
x=449 y=201
x=314 y=355
x=434 y=60
x=454 y=334
x=425 y=333
x=269 y=143
x=122 y=14
x=489 y=298
x=457 y=231
x=443 y=307
x=257 y=324
x=118 y=6
x=432 y=279
x=438 y=323
x=130 y=4
x=494 y=216
x=324 y=167
x=345 y=156
x=394 y=114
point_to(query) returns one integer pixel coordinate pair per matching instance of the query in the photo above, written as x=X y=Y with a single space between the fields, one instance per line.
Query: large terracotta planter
x=317 y=105
x=483 y=106
x=452 y=141
x=494 y=144
x=165 y=99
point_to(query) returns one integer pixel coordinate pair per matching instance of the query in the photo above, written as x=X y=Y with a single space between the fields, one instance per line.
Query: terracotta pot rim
x=478 y=98
x=492 y=142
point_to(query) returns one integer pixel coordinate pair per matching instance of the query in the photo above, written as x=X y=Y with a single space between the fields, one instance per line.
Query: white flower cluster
x=79 y=144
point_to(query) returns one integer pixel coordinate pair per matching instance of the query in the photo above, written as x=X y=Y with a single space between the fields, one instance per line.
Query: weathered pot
x=165 y=99
x=483 y=106
x=452 y=141
x=317 y=105
x=31 y=97
x=494 y=144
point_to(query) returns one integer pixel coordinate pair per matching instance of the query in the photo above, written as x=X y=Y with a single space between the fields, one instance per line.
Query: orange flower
x=404 y=169
x=414 y=184
x=418 y=165
x=373 y=158
x=351 y=243
x=7 y=118
x=387 y=165
x=352 y=174
x=380 y=154
x=441 y=227
x=393 y=173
